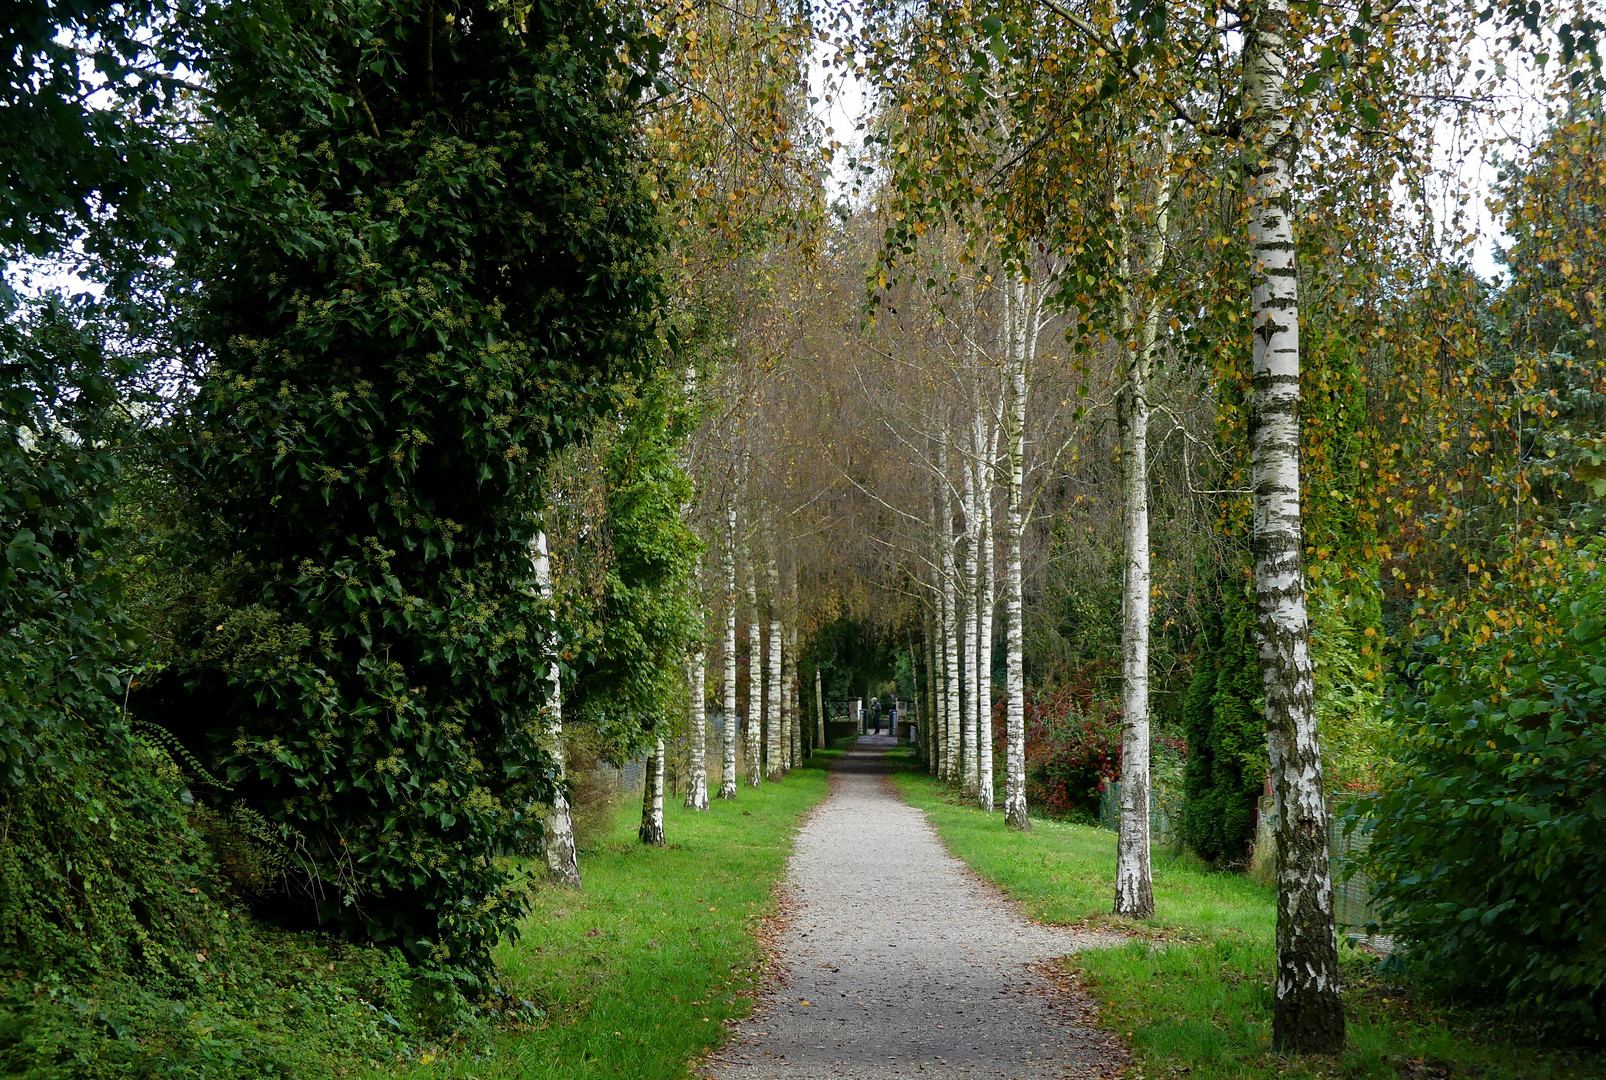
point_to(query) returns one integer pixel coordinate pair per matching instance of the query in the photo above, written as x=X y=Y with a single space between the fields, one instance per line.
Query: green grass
x=1191 y=994
x=637 y=974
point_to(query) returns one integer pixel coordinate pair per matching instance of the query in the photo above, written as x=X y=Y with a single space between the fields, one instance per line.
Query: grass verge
x=1191 y=993
x=636 y=975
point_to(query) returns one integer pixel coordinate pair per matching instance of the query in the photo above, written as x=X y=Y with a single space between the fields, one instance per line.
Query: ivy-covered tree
x=432 y=261
x=629 y=675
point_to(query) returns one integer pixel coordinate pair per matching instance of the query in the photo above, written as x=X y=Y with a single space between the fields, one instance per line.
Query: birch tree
x=1307 y=1014
x=794 y=715
x=652 y=797
x=727 y=769
x=558 y=843
x=755 y=676
x=987 y=442
x=1134 y=887
x=774 y=765
x=969 y=618
x=697 y=733
x=819 y=712
x=951 y=619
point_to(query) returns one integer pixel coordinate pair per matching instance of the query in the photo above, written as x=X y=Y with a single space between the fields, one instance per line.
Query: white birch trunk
x=755 y=678
x=1134 y=882
x=969 y=607
x=819 y=713
x=727 y=765
x=652 y=798
x=772 y=701
x=986 y=583
x=786 y=698
x=792 y=710
x=1307 y=1013
x=697 y=733
x=950 y=646
x=558 y=824
x=933 y=708
x=1014 y=528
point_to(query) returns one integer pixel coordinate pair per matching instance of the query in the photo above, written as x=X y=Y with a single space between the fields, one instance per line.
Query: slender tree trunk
x=786 y=698
x=1014 y=527
x=652 y=798
x=558 y=824
x=928 y=722
x=794 y=716
x=772 y=710
x=970 y=607
x=1134 y=890
x=697 y=733
x=986 y=584
x=1134 y=884
x=727 y=766
x=755 y=678
x=819 y=714
x=1308 y=1013
x=950 y=645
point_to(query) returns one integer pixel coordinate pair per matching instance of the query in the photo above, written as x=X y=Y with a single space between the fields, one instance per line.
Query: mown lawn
x=637 y=974
x=1191 y=994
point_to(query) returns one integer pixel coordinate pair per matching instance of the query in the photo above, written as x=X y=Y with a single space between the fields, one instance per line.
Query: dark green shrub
x=1489 y=834
x=433 y=261
x=1226 y=734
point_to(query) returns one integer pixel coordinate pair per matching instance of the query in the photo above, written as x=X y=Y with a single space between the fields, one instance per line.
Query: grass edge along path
x=638 y=974
x=1191 y=994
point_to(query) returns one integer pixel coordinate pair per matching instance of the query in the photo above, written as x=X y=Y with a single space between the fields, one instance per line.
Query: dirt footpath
x=896 y=961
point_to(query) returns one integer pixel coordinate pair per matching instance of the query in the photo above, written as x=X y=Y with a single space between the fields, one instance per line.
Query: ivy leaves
x=435 y=260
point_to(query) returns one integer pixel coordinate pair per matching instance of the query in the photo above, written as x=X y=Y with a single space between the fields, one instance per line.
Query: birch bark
x=727 y=765
x=772 y=702
x=969 y=608
x=755 y=677
x=950 y=648
x=558 y=825
x=697 y=733
x=1014 y=527
x=928 y=722
x=786 y=698
x=1307 y=1013
x=794 y=733
x=652 y=798
x=819 y=713
x=986 y=583
x=1134 y=883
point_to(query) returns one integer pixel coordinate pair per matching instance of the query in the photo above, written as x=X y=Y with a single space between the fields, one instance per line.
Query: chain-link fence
x=1165 y=814
x=1352 y=891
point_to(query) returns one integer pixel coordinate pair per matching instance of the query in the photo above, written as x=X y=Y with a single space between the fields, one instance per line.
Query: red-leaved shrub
x=1073 y=744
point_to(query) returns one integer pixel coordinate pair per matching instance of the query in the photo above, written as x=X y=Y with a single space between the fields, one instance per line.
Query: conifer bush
x=1489 y=833
x=1226 y=734
x=431 y=259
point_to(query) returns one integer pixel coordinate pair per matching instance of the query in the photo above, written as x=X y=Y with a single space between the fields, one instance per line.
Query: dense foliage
x=627 y=673
x=1073 y=745
x=100 y=869
x=1489 y=834
x=432 y=258
x=1226 y=766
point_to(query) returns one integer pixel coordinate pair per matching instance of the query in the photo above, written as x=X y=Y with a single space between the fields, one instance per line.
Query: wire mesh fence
x=1353 y=909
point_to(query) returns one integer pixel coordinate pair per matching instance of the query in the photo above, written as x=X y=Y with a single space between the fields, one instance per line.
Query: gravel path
x=896 y=961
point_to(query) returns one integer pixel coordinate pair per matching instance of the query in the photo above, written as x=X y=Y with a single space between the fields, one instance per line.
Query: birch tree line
x=1123 y=183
